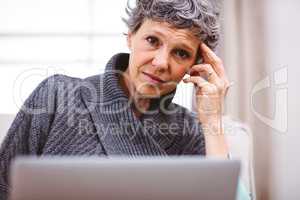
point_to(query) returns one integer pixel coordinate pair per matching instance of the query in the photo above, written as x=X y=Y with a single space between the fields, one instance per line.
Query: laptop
x=122 y=178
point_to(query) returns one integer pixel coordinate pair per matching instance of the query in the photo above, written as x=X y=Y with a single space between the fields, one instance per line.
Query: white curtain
x=243 y=52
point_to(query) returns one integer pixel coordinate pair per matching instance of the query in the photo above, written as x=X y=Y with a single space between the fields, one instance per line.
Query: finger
x=211 y=58
x=209 y=74
x=206 y=69
x=205 y=87
x=198 y=80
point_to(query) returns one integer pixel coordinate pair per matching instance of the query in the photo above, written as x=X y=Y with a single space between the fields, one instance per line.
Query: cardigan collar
x=119 y=131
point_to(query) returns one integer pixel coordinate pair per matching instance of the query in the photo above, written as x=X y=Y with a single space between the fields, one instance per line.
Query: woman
x=128 y=110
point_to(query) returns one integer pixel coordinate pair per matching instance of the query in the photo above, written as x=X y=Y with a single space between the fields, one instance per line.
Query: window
x=40 y=38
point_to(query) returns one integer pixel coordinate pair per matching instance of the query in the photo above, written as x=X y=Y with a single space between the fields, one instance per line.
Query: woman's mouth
x=153 y=79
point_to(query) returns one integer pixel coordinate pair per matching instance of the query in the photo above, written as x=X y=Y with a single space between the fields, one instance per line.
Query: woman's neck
x=141 y=105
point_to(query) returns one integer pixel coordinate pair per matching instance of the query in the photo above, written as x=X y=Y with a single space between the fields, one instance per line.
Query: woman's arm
x=215 y=141
x=28 y=132
x=211 y=87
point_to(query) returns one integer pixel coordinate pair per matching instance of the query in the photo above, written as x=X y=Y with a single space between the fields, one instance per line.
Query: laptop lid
x=94 y=178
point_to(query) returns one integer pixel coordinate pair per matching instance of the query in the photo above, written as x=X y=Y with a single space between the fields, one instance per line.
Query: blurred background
x=259 y=46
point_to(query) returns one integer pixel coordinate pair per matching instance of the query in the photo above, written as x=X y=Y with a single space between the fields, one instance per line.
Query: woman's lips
x=153 y=78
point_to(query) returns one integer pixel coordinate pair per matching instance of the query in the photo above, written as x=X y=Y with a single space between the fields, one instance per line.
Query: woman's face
x=160 y=57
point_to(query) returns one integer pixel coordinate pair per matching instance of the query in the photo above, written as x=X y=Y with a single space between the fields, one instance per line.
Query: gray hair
x=200 y=16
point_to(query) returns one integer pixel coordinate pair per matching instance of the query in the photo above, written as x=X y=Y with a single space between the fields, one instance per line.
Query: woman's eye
x=153 y=41
x=182 y=54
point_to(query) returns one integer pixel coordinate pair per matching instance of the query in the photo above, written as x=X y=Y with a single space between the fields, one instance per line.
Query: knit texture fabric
x=68 y=116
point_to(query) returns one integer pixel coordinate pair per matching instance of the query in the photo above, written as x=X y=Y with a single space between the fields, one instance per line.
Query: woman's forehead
x=165 y=29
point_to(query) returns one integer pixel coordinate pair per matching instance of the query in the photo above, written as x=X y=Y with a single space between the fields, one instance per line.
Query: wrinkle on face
x=160 y=60
x=172 y=36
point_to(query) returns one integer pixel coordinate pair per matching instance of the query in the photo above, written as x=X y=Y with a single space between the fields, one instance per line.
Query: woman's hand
x=211 y=87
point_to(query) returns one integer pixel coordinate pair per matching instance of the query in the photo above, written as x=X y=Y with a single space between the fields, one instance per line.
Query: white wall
x=261 y=54
x=283 y=50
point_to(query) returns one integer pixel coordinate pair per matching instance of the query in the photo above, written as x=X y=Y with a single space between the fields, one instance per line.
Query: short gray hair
x=200 y=16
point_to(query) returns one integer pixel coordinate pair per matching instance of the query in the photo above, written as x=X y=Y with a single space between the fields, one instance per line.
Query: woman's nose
x=161 y=59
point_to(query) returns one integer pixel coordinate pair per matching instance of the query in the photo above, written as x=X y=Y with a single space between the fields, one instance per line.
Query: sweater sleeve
x=28 y=132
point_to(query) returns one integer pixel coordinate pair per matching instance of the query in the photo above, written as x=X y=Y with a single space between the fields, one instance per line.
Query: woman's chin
x=152 y=90
x=149 y=92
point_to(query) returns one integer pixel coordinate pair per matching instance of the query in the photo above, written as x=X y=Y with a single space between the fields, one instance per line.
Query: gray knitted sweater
x=93 y=116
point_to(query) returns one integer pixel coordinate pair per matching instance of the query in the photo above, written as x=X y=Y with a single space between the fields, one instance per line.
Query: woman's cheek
x=180 y=74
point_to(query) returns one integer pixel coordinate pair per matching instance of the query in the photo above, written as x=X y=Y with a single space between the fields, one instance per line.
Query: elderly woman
x=128 y=109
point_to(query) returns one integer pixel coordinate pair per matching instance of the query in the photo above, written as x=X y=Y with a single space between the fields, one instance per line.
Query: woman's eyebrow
x=178 y=45
x=184 y=46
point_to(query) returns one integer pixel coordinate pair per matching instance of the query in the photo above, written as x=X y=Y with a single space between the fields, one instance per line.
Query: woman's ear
x=129 y=35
